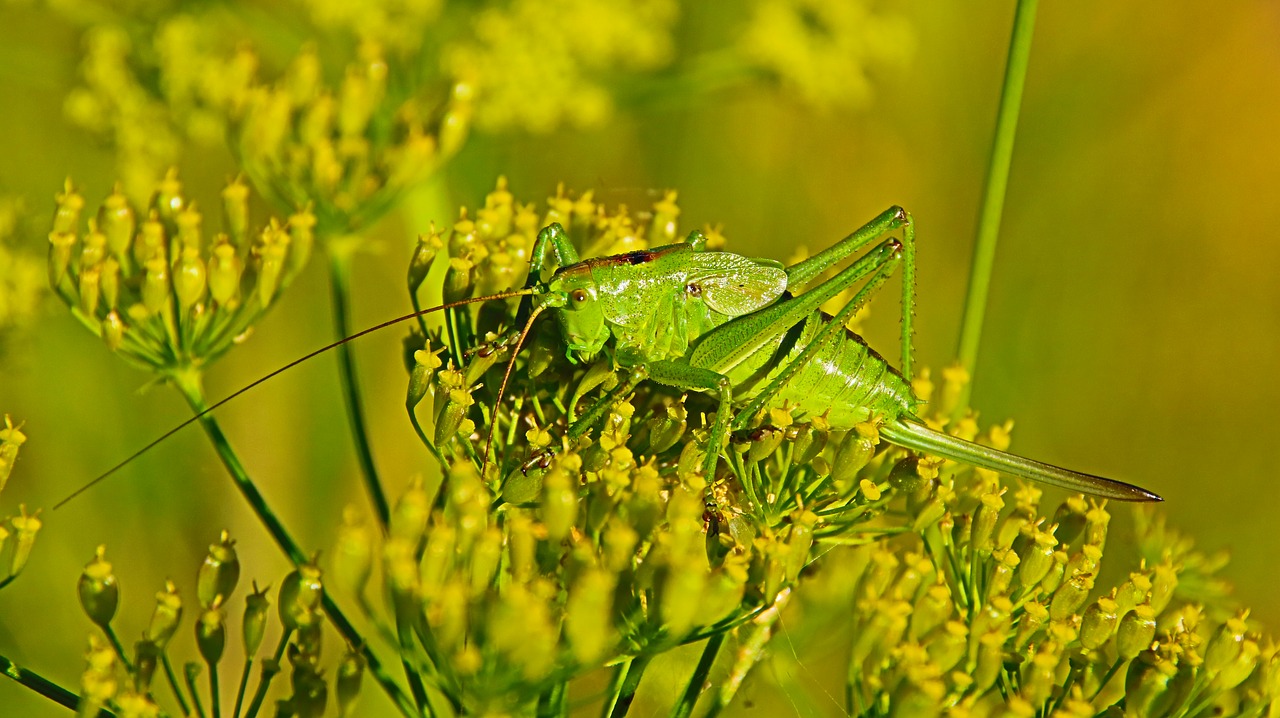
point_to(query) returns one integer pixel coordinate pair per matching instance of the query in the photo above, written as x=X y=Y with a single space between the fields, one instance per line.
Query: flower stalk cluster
x=17 y=533
x=128 y=682
x=158 y=290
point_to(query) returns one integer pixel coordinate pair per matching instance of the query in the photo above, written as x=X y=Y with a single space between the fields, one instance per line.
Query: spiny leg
x=552 y=239
x=890 y=220
x=886 y=260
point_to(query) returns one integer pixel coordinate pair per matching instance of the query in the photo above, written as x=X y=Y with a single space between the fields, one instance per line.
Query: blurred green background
x=1133 y=329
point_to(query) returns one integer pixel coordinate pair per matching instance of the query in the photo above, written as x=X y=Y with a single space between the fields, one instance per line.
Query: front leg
x=681 y=375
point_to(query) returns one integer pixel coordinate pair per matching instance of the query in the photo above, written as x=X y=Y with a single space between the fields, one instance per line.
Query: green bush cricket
x=736 y=328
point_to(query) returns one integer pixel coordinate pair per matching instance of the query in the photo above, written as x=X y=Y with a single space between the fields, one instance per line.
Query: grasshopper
x=739 y=329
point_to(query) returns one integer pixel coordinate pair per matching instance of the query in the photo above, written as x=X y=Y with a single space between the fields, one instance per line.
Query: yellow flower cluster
x=539 y=65
x=825 y=50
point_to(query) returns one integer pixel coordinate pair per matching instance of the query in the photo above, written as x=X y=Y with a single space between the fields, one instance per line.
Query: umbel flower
x=158 y=289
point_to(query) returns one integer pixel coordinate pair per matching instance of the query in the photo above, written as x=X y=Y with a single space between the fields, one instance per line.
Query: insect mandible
x=738 y=328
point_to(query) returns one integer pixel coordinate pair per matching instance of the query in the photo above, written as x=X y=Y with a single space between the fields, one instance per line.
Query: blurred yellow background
x=1133 y=329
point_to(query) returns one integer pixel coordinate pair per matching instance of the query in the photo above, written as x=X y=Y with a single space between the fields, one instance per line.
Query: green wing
x=734 y=285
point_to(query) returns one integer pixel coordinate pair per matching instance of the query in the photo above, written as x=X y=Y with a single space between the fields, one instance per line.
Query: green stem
x=215 y=693
x=244 y=684
x=173 y=683
x=190 y=672
x=45 y=687
x=340 y=285
x=623 y=687
x=188 y=383
x=984 y=250
x=684 y=708
x=269 y=670
x=117 y=646
x=554 y=702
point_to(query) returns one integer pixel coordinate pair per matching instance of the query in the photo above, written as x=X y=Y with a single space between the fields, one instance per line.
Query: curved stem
x=45 y=687
x=984 y=250
x=188 y=383
x=340 y=281
x=623 y=686
x=684 y=708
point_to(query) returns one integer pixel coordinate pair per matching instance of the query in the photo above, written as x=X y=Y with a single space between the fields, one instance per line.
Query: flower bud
x=1034 y=616
x=113 y=331
x=982 y=531
x=947 y=649
x=559 y=505
x=1133 y=592
x=165 y=617
x=11 y=440
x=255 y=620
x=931 y=611
x=302 y=238
x=70 y=203
x=219 y=573
x=190 y=279
x=457 y=403
x=588 y=620
x=1164 y=579
x=26 y=527
x=911 y=474
x=1234 y=673
x=271 y=265
x=109 y=282
x=99 y=594
x=1036 y=560
x=146 y=656
x=1070 y=519
x=61 y=245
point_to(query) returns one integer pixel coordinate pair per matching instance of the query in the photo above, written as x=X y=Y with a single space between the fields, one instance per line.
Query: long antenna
x=281 y=370
x=493 y=415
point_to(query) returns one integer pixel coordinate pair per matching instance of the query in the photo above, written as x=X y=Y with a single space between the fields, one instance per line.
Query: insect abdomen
x=846 y=379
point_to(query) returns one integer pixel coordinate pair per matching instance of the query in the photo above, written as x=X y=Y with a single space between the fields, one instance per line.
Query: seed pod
x=1070 y=518
x=347 y=681
x=1133 y=592
x=61 y=245
x=456 y=123
x=11 y=441
x=300 y=594
x=70 y=203
x=1038 y=674
x=151 y=242
x=224 y=272
x=302 y=239
x=1070 y=596
x=255 y=620
x=1136 y=631
x=1234 y=673
x=271 y=265
x=588 y=620
x=1225 y=645
x=219 y=573
x=352 y=553
x=457 y=403
x=1096 y=521
x=982 y=530
x=117 y=222
x=931 y=611
x=146 y=656
x=168 y=200
x=155 y=286
x=458 y=279
x=1098 y=623
x=1034 y=616
x=1086 y=560
x=165 y=617
x=211 y=633
x=1053 y=579
x=188 y=221
x=990 y=661
x=857 y=448
x=109 y=282
x=113 y=330
x=425 y=364
x=1036 y=561
x=811 y=439
x=190 y=279
x=1164 y=579
x=99 y=593
x=1006 y=566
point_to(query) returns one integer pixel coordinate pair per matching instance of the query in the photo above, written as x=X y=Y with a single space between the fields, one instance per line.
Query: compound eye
x=578 y=296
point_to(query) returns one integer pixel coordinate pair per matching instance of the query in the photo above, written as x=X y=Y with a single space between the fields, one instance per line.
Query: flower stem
x=623 y=687
x=984 y=250
x=684 y=708
x=173 y=683
x=340 y=288
x=188 y=383
x=45 y=687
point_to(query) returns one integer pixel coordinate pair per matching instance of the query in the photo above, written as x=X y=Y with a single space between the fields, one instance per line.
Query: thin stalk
x=215 y=692
x=117 y=646
x=35 y=682
x=623 y=686
x=244 y=684
x=554 y=702
x=340 y=286
x=173 y=683
x=190 y=672
x=984 y=249
x=751 y=651
x=269 y=670
x=684 y=708
x=188 y=383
